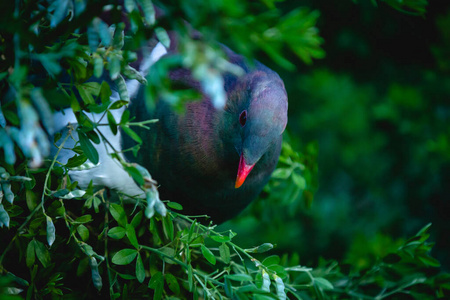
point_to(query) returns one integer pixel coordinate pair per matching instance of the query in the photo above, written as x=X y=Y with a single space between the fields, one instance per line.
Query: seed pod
x=149 y=11
x=122 y=88
x=266 y=281
x=150 y=210
x=280 y=288
x=4 y=217
x=6 y=187
x=98 y=66
x=50 y=231
x=119 y=35
x=96 y=278
x=132 y=73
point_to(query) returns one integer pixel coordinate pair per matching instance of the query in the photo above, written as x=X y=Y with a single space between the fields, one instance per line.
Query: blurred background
x=373 y=117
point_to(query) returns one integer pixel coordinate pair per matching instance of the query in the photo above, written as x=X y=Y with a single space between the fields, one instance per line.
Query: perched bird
x=212 y=161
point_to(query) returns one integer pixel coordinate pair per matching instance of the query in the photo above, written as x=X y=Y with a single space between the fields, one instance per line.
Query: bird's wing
x=108 y=172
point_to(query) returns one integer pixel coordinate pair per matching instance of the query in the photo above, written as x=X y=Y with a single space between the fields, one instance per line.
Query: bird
x=213 y=161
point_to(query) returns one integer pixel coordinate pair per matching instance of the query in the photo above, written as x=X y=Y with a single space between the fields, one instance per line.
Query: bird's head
x=256 y=116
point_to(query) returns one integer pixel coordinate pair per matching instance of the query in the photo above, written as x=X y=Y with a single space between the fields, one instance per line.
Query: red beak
x=243 y=172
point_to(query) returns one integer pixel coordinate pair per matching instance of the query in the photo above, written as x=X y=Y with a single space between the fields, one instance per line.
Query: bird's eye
x=243 y=118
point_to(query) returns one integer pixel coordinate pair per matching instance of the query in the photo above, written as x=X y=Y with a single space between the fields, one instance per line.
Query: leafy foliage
x=55 y=235
x=412 y=7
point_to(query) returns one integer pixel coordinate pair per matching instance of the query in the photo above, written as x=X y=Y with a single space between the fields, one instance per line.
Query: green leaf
x=224 y=251
x=83 y=219
x=118 y=213
x=124 y=256
x=228 y=287
x=191 y=230
x=131 y=235
x=208 y=255
x=249 y=288
x=85 y=94
x=137 y=219
x=76 y=161
x=112 y=122
x=220 y=238
x=125 y=117
x=271 y=260
x=424 y=230
x=240 y=277
x=132 y=134
x=169 y=252
x=156 y=279
x=117 y=232
x=87 y=147
x=60 y=193
x=135 y=174
x=159 y=290
x=175 y=205
x=278 y=270
x=42 y=253
x=103 y=32
x=92 y=87
x=168 y=227
x=281 y=173
x=30 y=256
x=72 y=194
x=118 y=104
x=190 y=278
x=93 y=136
x=172 y=283
x=140 y=272
x=323 y=283
x=105 y=92
x=87 y=249
x=299 y=181
x=83 y=232
x=430 y=261
x=264 y=248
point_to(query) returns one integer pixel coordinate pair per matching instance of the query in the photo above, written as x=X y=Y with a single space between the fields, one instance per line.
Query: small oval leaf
x=87 y=147
x=220 y=238
x=117 y=233
x=124 y=256
x=208 y=255
x=140 y=272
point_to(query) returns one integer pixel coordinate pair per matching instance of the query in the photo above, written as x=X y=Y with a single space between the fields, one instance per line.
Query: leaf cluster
x=56 y=54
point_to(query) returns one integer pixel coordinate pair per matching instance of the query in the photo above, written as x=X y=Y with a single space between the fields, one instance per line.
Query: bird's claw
x=154 y=203
x=151 y=193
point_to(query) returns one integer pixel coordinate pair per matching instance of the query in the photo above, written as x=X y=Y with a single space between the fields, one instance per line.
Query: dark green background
x=378 y=106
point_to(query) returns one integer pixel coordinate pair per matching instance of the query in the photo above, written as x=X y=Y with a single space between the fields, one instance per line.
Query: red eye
x=243 y=118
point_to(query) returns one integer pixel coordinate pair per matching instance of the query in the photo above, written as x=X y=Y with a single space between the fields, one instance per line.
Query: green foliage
x=412 y=7
x=58 y=240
